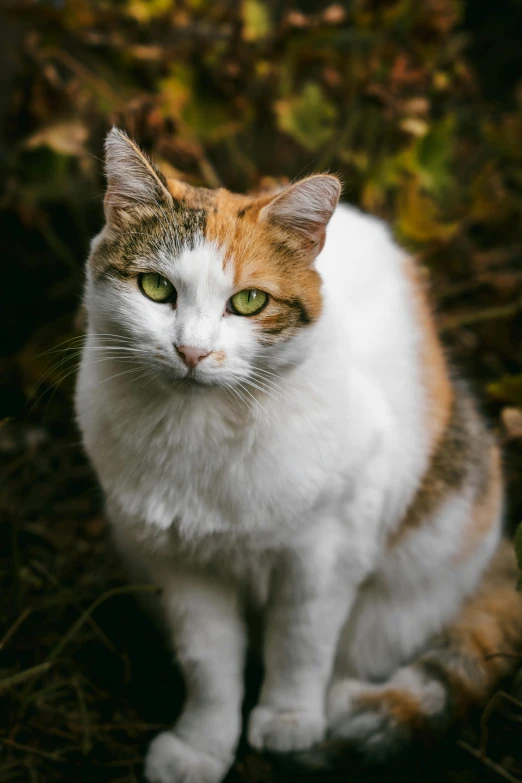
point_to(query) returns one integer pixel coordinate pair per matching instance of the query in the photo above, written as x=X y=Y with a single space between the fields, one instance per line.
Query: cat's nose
x=191 y=356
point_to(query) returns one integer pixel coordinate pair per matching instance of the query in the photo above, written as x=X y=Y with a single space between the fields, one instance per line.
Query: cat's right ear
x=133 y=181
x=301 y=211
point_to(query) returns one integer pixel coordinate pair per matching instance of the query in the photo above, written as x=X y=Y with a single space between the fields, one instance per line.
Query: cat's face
x=206 y=287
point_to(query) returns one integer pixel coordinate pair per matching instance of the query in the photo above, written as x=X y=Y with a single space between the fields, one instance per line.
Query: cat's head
x=205 y=285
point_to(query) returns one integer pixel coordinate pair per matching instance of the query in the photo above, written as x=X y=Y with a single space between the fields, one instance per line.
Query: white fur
x=282 y=505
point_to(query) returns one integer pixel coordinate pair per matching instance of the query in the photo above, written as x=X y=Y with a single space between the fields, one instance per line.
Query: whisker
x=284 y=380
x=257 y=402
x=268 y=382
x=71 y=355
x=69 y=372
x=83 y=338
x=262 y=390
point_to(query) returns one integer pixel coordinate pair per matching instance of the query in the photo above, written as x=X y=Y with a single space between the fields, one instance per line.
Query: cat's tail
x=461 y=669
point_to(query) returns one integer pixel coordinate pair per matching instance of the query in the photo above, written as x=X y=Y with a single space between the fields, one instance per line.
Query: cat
x=277 y=433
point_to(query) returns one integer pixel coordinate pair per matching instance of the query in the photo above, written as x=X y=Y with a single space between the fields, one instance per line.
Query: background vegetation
x=417 y=105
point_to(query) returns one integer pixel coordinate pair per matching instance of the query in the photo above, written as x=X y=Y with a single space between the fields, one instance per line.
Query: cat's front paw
x=284 y=730
x=171 y=760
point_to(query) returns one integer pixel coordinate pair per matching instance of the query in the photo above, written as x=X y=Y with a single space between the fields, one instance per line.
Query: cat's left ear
x=133 y=181
x=303 y=210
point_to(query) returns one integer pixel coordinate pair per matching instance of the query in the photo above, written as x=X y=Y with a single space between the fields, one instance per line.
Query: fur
x=319 y=469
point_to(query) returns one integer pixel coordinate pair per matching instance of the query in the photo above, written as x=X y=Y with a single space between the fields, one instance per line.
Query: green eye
x=248 y=302
x=156 y=287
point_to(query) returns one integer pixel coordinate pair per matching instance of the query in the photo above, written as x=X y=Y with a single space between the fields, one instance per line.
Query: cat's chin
x=190 y=384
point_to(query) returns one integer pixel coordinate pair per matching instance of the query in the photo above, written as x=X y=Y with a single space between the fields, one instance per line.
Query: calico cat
x=272 y=419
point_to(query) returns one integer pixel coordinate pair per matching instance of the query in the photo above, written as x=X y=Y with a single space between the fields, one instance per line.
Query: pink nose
x=191 y=356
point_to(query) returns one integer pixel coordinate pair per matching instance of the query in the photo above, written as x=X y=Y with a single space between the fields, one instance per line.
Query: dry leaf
x=512 y=421
x=65 y=138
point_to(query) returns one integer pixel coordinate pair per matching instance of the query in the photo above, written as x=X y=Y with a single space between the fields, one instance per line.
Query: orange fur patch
x=219 y=356
x=261 y=259
x=446 y=415
x=482 y=644
x=401 y=705
x=435 y=369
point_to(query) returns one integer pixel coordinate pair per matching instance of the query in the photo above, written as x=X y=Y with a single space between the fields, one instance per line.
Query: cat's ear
x=133 y=181
x=304 y=209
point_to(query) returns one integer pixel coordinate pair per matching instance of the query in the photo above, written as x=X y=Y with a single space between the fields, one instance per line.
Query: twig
x=73 y=630
x=27 y=674
x=129 y=727
x=15 y=626
x=126 y=762
x=28 y=749
x=488 y=762
x=83 y=73
x=450 y=322
x=490 y=708
x=55 y=583
x=86 y=724
x=41 y=668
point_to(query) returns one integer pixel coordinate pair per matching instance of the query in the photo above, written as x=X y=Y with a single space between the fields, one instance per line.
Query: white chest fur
x=209 y=464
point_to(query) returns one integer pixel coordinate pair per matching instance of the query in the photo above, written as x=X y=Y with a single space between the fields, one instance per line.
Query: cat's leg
x=209 y=640
x=312 y=594
x=308 y=606
x=456 y=670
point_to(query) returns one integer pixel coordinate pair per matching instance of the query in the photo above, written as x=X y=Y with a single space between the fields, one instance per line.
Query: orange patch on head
x=261 y=259
x=270 y=240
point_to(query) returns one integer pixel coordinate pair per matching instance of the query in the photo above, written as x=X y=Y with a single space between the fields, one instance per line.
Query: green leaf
x=435 y=156
x=256 y=20
x=204 y=116
x=176 y=89
x=419 y=218
x=508 y=389
x=209 y=119
x=145 y=10
x=309 y=117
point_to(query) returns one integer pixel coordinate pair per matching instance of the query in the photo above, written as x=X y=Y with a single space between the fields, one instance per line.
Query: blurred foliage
x=416 y=104
x=243 y=94
x=390 y=94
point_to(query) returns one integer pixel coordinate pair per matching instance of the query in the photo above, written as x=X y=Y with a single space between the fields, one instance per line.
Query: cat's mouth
x=194 y=381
